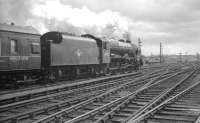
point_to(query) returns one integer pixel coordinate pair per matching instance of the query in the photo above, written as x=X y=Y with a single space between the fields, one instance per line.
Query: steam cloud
x=175 y=25
x=46 y=15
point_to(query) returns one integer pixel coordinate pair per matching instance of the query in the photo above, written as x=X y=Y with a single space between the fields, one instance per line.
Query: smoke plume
x=48 y=15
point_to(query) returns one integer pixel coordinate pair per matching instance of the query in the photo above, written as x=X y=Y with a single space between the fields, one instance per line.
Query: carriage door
x=24 y=53
x=0 y=47
x=34 y=59
x=3 y=63
x=14 y=54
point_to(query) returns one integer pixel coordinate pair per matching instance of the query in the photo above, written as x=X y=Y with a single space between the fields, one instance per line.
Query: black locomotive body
x=19 y=52
x=63 y=54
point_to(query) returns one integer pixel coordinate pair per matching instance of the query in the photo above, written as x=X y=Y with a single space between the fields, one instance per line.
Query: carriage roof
x=19 y=29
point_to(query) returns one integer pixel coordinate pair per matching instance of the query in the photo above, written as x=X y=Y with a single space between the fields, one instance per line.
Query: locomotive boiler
x=123 y=54
x=122 y=48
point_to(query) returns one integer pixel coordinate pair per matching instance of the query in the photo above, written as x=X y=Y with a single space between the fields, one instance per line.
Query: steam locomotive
x=24 y=54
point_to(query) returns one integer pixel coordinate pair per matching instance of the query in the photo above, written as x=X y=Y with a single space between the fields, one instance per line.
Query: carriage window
x=13 y=46
x=35 y=48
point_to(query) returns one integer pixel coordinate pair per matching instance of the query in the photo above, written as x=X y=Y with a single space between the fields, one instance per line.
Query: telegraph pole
x=180 y=55
x=140 y=45
x=186 y=57
x=197 y=57
x=160 y=52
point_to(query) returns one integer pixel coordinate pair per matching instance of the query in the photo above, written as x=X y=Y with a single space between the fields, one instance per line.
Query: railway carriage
x=19 y=52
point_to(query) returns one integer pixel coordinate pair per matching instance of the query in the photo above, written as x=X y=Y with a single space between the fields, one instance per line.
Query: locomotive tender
x=26 y=54
x=73 y=55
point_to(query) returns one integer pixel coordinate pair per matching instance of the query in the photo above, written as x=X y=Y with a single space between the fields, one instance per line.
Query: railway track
x=131 y=105
x=39 y=107
x=30 y=94
x=34 y=85
x=31 y=104
x=182 y=106
x=26 y=92
x=90 y=109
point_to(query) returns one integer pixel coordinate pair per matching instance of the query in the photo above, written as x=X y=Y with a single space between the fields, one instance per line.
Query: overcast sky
x=175 y=23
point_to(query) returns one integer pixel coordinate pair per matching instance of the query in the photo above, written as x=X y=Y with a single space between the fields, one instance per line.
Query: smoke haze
x=175 y=23
x=53 y=15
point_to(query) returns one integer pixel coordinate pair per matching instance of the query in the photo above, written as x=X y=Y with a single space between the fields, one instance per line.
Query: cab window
x=35 y=48
x=13 y=46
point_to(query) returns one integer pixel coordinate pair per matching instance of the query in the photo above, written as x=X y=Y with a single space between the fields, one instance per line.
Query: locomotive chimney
x=12 y=23
x=121 y=40
x=128 y=41
x=127 y=37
